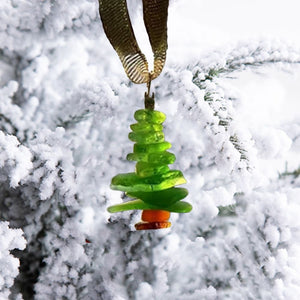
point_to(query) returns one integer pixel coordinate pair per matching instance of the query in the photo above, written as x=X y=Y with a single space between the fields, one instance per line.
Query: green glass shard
x=130 y=205
x=145 y=127
x=147 y=138
x=163 y=179
x=163 y=198
x=166 y=158
x=151 y=116
x=144 y=169
x=137 y=157
x=151 y=148
x=178 y=207
x=131 y=182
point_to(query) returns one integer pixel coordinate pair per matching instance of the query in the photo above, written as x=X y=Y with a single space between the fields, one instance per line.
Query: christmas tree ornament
x=153 y=183
x=152 y=186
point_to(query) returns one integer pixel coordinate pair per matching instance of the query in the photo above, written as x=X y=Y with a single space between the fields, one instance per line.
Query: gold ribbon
x=118 y=29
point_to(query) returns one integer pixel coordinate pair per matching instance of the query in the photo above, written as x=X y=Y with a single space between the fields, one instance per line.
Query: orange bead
x=152 y=225
x=154 y=219
x=155 y=215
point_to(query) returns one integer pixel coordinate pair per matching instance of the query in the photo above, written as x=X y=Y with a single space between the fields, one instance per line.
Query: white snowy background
x=230 y=90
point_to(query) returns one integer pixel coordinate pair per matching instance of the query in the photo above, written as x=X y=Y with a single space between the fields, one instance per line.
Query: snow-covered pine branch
x=64 y=114
x=10 y=239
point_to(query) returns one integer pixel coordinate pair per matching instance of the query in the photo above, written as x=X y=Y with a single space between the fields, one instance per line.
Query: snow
x=230 y=91
x=9 y=265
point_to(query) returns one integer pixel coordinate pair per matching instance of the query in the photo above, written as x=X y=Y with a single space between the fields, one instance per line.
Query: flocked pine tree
x=64 y=114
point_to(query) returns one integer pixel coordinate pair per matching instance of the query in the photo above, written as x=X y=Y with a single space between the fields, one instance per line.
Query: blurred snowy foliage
x=10 y=239
x=65 y=110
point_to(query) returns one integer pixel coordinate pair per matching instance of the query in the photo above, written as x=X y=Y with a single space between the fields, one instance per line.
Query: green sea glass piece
x=151 y=148
x=137 y=157
x=150 y=116
x=152 y=185
x=147 y=138
x=144 y=169
x=178 y=207
x=145 y=127
x=165 y=158
x=161 y=198
x=131 y=182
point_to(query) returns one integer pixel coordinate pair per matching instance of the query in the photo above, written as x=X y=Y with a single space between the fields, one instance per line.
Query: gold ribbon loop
x=155 y=19
x=118 y=29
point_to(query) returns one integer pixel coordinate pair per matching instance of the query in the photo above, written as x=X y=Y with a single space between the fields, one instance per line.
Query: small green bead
x=147 y=138
x=145 y=127
x=151 y=148
x=151 y=116
x=144 y=169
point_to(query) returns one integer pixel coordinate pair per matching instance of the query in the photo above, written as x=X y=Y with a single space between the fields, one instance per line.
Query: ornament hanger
x=118 y=29
x=152 y=185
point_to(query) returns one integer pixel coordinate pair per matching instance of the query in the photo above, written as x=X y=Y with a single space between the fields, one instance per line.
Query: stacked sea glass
x=152 y=185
